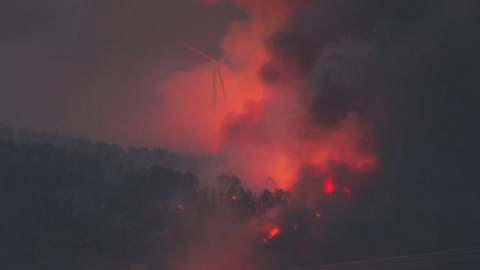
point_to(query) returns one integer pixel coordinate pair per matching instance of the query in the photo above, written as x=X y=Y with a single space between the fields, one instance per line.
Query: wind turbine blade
x=214 y=90
x=226 y=55
x=197 y=51
x=221 y=84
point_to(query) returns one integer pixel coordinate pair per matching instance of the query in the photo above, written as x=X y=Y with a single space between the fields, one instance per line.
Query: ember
x=328 y=187
x=271 y=234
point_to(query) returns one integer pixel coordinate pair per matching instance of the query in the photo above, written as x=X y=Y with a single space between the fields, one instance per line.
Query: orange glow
x=262 y=130
x=271 y=234
x=185 y=119
x=328 y=187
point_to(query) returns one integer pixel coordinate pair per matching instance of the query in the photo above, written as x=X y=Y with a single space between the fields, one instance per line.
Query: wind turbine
x=217 y=71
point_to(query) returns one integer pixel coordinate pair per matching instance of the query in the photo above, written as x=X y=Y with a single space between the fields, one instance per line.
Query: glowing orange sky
x=260 y=130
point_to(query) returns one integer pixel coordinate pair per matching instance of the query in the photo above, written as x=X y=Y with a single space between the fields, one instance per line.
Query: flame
x=263 y=129
x=263 y=132
x=328 y=187
x=273 y=232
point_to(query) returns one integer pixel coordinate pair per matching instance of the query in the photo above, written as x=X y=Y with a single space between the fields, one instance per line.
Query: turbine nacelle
x=217 y=72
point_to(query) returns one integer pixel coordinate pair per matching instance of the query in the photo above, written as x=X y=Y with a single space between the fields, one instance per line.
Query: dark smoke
x=410 y=68
x=407 y=69
x=328 y=45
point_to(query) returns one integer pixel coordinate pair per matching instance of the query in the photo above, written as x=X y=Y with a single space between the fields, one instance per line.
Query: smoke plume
x=314 y=87
x=281 y=114
x=350 y=132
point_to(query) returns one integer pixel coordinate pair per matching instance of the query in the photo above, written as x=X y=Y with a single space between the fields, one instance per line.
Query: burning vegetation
x=290 y=167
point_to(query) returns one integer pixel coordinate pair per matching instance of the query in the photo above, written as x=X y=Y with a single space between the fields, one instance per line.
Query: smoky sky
x=411 y=67
x=87 y=68
x=90 y=69
x=407 y=68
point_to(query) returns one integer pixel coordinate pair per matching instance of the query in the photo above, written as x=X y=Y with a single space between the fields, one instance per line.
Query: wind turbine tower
x=217 y=71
